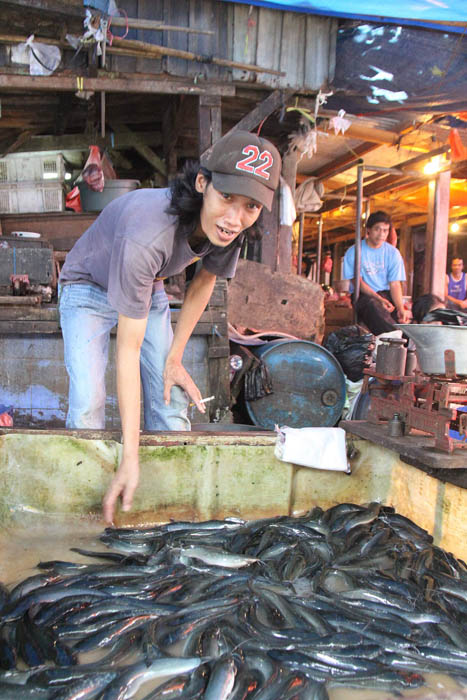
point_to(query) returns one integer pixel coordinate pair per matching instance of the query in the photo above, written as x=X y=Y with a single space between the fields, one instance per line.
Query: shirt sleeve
x=396 y=267
x=349 y=264
x=131 y=278
x=223 y=261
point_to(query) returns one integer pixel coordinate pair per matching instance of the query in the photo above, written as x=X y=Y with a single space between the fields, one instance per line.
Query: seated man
x=380 y=302
x=456 y=290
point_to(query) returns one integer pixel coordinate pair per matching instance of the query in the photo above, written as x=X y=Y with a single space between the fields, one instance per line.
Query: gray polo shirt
x=131 y=243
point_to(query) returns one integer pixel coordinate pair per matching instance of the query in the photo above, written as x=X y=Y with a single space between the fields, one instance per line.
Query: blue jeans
x=86 y=319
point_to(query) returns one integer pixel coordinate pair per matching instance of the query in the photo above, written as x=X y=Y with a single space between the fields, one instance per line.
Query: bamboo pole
x=143 y=49
x=156 y=50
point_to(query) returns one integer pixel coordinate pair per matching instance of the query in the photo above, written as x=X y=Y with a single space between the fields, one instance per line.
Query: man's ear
x=201 y=183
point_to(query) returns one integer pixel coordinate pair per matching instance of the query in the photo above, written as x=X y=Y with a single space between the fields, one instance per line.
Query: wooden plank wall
x=301 y=45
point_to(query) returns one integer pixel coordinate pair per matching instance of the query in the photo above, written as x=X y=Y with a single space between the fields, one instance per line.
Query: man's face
x=457 y=266
x=377 y=234
x=224 y=216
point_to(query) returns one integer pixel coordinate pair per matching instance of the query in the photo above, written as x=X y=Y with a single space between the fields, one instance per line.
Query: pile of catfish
x=278 y=608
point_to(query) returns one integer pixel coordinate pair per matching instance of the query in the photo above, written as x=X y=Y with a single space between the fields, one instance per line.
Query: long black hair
x=186 y=202
x=425 y=304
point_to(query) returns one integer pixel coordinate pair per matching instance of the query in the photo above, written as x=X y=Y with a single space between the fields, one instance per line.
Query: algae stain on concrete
x=170 y=475
x=56 y=473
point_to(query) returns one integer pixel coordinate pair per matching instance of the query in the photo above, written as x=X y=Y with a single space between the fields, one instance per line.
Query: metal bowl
x=431 y=342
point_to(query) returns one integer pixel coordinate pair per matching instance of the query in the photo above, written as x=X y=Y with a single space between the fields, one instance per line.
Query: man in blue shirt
x=456 y=287
x=380 y=302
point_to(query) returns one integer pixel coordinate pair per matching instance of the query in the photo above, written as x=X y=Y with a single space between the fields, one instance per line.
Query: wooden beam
x=357 y=152
x=389 y=182
x=70 y=8
x=263 y=110
x=436 y=237
x=170 y=131
x=80 y=142
x=138 y=23
x=16 y=143
x=122 y=83
x=145 y=151
x=119 y=159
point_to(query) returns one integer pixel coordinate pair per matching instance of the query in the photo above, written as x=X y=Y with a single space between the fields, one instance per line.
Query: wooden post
x=169 y=140
x=270 y=225
x=218 y=355
x=406 y=250
x=284 y=233
x=358 y=239
x=209 y=121
x=300 y=243
x=436 y=239
x=336 y=262
x=320 y=250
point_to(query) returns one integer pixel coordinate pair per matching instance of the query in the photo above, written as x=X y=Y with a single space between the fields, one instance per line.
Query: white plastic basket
x=31 y=167
x=31 y=197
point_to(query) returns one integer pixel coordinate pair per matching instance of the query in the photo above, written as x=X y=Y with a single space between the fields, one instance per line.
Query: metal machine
x=434 y=399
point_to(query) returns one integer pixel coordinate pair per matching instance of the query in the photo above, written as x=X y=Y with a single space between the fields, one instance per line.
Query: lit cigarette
x=209 y=398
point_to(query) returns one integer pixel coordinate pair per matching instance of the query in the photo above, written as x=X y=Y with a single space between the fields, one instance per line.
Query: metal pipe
x=320 y=245
x=300 y=243
x=358 y=240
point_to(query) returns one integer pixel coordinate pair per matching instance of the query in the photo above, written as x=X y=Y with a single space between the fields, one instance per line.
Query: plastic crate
x=31 y=197
x=31 y=167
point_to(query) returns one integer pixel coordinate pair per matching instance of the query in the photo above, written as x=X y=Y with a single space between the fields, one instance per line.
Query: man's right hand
x=123 y=485
x=386 y=303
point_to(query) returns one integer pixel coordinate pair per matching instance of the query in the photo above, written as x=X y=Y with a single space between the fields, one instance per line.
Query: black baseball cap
x=244 y=163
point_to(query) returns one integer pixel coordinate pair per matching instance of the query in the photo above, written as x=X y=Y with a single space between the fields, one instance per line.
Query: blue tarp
x=407 y=12
x=382 y=67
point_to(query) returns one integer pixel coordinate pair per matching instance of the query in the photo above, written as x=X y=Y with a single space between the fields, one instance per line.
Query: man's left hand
x=175 y=374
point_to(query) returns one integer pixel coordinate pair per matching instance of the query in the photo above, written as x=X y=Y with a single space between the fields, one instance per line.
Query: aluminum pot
x=431 y=342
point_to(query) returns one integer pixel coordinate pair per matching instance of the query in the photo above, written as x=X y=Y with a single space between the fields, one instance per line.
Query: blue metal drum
x=308 y=386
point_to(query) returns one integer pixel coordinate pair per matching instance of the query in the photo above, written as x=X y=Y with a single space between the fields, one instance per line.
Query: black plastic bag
x=352 y=347
x=448 y=317
x=257 y=382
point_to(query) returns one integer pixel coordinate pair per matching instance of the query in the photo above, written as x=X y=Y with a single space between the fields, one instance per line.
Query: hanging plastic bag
x=43 y=59
x=308 y=195
x=93 y=174
x=6 y=419
x=73 y=200
x=318 y=448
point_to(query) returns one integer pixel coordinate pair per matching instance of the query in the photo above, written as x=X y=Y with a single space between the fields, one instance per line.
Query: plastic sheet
x=43 y=59
x=318 y=448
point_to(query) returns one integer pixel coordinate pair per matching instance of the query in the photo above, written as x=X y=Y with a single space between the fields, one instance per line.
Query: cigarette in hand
x=209 y=398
